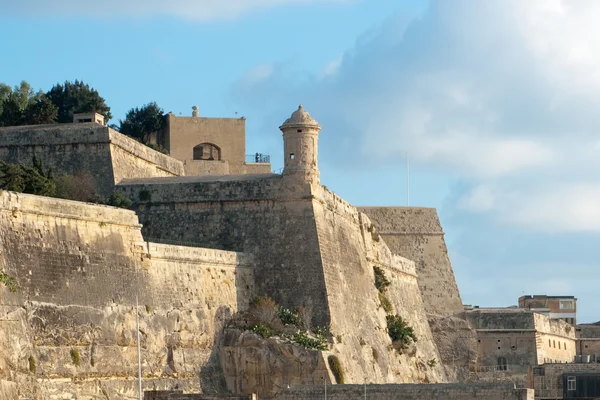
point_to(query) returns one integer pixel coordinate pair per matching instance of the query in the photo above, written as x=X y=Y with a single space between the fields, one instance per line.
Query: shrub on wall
x=336 y=368
x=119 y=200
x=8 y=281
x=381 y=281
x=265 y=318
x=400 y=333
x=386 y=304
x=75 y=357
x=32 y=364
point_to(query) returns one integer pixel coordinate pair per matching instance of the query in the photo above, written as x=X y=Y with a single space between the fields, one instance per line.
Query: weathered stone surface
x=79 y=268
x=312 y=249
x=252 y=364
x=416 y=233
x=70 y=148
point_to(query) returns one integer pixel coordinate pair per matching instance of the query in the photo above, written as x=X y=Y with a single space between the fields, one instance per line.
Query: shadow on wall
x=212 y=376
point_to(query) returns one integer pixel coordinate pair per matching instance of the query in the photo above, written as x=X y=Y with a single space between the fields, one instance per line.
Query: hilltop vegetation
x=22 y=105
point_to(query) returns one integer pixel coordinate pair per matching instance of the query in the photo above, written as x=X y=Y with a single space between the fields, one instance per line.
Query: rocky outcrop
x=252 y=364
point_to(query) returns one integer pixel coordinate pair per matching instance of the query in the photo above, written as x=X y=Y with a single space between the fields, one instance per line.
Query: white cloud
x=502 y=93
x=258 y=74
x=187 y=9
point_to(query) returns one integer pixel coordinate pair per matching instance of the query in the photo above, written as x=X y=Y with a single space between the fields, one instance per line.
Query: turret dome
x=299 y=119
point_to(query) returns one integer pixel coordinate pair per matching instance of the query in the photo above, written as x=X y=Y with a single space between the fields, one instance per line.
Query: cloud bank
x=503 y=93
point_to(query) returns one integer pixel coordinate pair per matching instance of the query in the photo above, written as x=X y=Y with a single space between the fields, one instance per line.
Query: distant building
x=512 y=338
x=555 y=307
x=210 y=146
x=565 y=381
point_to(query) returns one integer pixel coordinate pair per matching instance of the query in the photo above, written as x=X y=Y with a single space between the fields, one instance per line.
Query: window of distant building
x=566 y=305
x=207 y=151
x=554 y=343
x=549 y=343
x=559 y=345
x=502 y=364
x=571 y=383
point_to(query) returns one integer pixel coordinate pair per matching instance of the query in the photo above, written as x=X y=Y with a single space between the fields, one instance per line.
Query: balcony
x=258 y=158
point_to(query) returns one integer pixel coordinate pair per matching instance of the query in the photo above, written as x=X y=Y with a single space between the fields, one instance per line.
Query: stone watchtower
x=300 y=146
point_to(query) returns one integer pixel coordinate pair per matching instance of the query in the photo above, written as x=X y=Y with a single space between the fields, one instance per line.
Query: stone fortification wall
x=70 y=148
x=350 y=248
x=493 y=391
x=70 y=328
x=312 y=250
x=416 y=233
x=131 y=159
x=248 y=213
x=66 y=148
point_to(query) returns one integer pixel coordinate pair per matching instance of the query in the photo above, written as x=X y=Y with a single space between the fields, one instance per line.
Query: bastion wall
x=312 y=249
x=87 y=147
x=416 y=233
x=70 y=330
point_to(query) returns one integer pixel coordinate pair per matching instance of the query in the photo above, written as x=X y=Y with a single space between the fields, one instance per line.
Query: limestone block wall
x=251 y=214
x=204 y=167
x=70 y=148
x=556 y=339
x=66 y=148
x=79 y=268
x=182 y=134
x=312 y=249
x=588 y=340
x=489 y=391
x=131 y=159
x=349 y=250
x=416 y=233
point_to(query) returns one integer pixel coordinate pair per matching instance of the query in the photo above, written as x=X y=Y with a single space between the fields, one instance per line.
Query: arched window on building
x=207 y=151
x=502 y=364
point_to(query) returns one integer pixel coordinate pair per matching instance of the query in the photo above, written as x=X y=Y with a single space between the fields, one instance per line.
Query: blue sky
x=496 y=102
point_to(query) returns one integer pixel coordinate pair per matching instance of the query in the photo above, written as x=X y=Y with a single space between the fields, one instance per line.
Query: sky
x=495 y=103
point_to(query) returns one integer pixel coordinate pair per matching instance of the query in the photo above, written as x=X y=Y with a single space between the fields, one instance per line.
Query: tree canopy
x=77 y=97
x=21 y=105
x=140 y=123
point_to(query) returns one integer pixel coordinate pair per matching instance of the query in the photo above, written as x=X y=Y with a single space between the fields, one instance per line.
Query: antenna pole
x=407 y=181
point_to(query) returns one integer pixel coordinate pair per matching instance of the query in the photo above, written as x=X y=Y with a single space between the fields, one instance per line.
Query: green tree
x=26 y=179
x=77 y=97
x=141 y=123
x=40 y=111
x=22 y=106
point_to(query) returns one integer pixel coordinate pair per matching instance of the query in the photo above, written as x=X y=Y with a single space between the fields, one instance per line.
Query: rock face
x=252 y=364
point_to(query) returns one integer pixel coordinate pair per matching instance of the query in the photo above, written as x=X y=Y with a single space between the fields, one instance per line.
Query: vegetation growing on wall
x=381 y=281
x=8 y=281
x=267 y=319
x=32 y=364
x=336 y=368
x=36 y=179
x=27 y=179
x=401 y=334
x=75 y=357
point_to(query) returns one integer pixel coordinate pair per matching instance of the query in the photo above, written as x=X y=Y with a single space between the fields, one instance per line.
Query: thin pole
x=137 y=320
x=365 y=389
x=407 y=181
